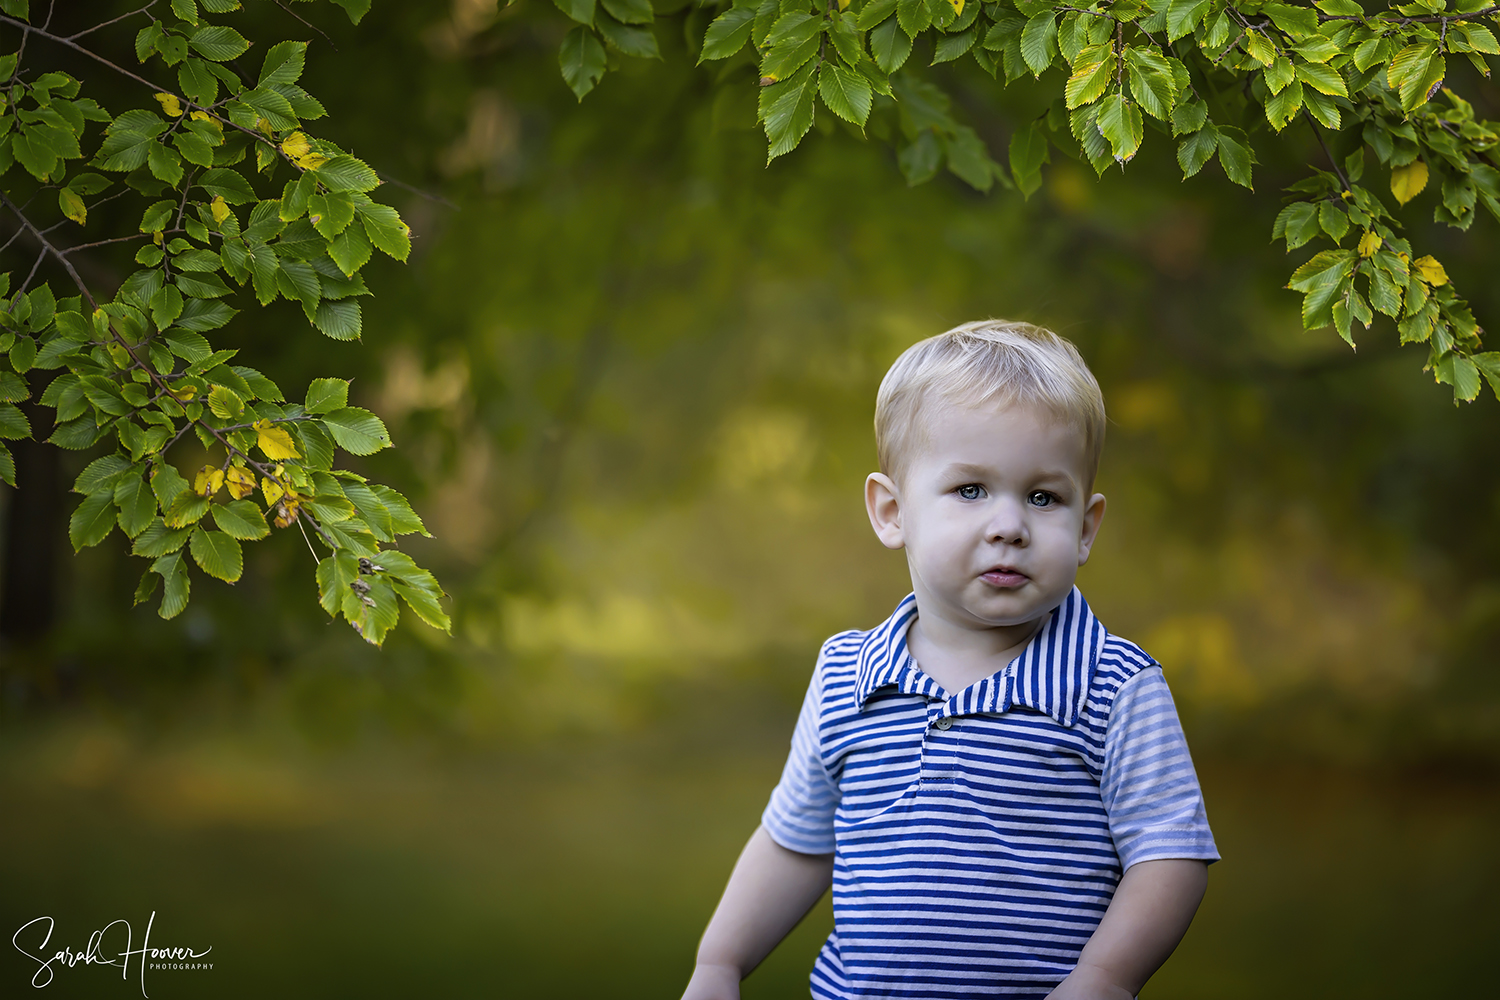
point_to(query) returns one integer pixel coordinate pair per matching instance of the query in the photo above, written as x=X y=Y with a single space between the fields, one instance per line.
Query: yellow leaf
x=1407 y=182
x=274 y=441
x=271 y=490
x=208 y=480
x=241 y=482
x=183 y=393
x=295 y=145
x=311 y=161
x=1430 y=271
x=219 y=208
x=1369 y=243
x=169 y=103
x=958 y=6
x=201 y=116
x=264 y=125
x=286 y=511
x=156 y=237
x=72 y=205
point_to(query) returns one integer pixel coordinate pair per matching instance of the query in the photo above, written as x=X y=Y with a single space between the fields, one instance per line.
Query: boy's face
x=993 y=512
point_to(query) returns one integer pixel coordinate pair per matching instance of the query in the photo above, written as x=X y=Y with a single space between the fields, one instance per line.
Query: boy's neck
x=960 y=654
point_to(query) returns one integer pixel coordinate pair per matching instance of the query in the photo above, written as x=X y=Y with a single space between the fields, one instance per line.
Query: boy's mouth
x=1004 y=577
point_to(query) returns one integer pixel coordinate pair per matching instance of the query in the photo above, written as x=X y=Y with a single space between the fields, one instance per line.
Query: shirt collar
x=1051 y=675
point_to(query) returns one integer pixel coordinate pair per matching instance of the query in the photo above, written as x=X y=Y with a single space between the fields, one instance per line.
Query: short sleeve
x=799 y=816
x=1149 y=787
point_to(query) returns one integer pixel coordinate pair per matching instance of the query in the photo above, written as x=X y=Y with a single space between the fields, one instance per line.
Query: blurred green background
x=630 y=373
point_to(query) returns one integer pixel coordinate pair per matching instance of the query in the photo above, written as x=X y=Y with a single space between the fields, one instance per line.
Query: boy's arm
x=1148 y=916
x=770 y=890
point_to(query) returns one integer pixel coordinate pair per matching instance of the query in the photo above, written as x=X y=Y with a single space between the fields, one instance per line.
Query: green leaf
x=136 y=502
x=1282 y=107
x=217 y=554
x=1297 y=224
x=630 y=11
x=185 y=509
x=351 y=250
x=176 y=588
x=1324 y=79
x=914 y=16
x=1120 y=123
x=728 y=33
x=1092 y=73
x=581 y=11
x=404 y=520
x=340 y=320
x=1039 y=42
x=386 y=230
x=1196 y=150
x=1183 y=16
x=1321 y=280
x=221 y=182
x=1415 y=73
x=1334 y=220
x=218 y=43
x=631 y=41
x=581 y=58
x=1151 y=83
x=159 y=540
x=357 y=431
x=1028 y=151
x=1461 y=373
x=325 y=395
x=845 y=92
x=283 y=64
x=12 y=389
x=874 y=12
x=200 y=85
x=348 y=173
x=93 y=520
x=166 y=164
x=951 y=47
x=330 y=213
x=13 y=423
x=167 y=483
x=240 y=519
x=890 y=46
x=1236 y=156
x=787 y=112
x=1188 y=117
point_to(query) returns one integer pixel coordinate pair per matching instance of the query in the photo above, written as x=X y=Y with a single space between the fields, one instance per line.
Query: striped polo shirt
x=978 y=836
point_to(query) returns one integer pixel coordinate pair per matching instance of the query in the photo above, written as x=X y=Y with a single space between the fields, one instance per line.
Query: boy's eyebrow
x=981 y=471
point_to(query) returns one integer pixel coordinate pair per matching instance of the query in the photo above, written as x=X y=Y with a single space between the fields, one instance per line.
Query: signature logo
x=34 y=940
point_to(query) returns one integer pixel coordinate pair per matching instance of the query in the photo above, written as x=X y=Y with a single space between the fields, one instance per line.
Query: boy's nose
x=1007 y=525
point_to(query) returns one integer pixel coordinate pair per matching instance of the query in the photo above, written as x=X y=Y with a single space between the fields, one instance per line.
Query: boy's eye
x=1041 y=498
x=973 y=491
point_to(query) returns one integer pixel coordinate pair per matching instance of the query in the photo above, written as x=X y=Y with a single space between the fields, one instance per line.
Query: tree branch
x=47 y=245
x=113 y=20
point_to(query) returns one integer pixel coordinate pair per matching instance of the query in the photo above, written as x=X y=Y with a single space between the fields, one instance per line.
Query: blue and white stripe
x=978 y=837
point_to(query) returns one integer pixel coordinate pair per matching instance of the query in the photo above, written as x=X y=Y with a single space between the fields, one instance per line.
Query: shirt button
x=943 y=723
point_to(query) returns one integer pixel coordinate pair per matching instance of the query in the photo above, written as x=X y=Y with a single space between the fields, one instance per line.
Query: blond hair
x=984 y=361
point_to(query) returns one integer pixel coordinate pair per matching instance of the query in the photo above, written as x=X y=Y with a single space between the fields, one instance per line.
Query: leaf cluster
x=137 y=372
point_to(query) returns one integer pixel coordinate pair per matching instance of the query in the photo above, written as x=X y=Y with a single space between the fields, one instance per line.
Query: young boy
x=997 y=789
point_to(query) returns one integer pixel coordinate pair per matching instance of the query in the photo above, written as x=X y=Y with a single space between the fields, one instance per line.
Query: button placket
x=939 y=749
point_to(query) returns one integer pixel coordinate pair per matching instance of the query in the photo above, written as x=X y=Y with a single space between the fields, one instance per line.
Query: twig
x=1338 y=170
x=113 y=20
x=46 y=245
x=309 y=24
x=388 y=179
x=34 y=266
x=100 y=243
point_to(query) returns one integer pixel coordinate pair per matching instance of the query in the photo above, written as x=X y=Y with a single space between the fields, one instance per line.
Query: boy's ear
x=1093 y=516
x=883 y=504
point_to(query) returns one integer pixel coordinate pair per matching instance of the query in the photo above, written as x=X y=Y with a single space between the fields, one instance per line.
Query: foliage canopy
x=1216 y=76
